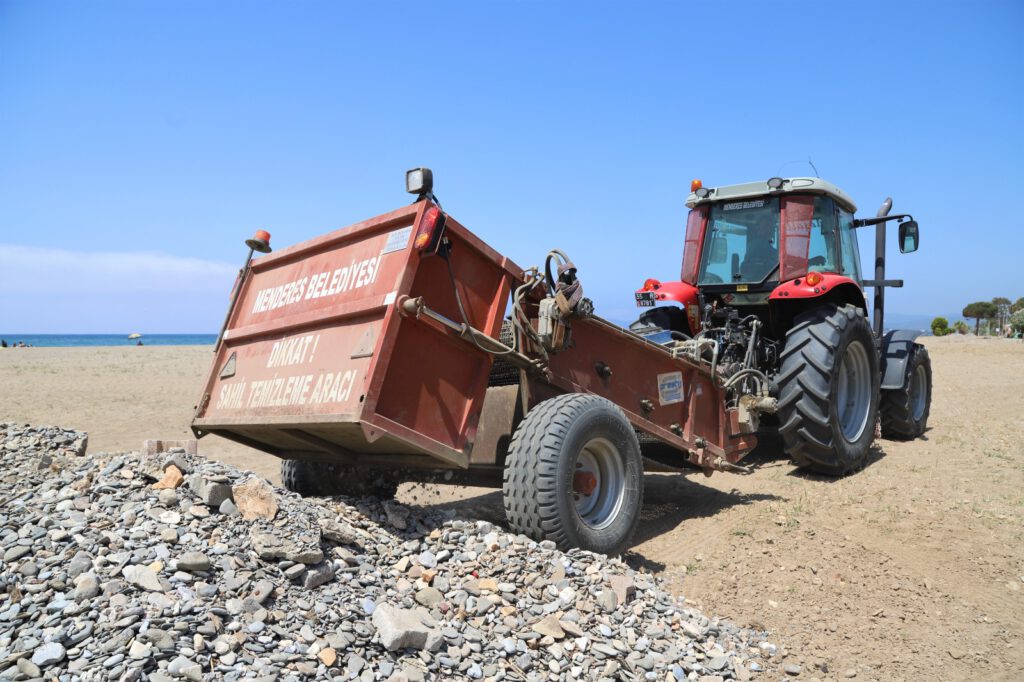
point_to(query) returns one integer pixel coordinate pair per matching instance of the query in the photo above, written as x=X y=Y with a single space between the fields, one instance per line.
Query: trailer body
x=323 y=359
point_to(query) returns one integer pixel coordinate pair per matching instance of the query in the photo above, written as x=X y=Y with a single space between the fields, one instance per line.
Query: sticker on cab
x=670 y=388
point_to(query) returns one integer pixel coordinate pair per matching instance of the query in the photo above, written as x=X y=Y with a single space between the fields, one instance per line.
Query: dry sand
x=910 y=569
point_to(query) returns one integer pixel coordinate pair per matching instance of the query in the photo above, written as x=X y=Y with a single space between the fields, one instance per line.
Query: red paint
x=696 y=222
x=797 y=214
x=799 y=288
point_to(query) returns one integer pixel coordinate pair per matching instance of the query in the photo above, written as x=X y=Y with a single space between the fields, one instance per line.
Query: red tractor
x=771 y=293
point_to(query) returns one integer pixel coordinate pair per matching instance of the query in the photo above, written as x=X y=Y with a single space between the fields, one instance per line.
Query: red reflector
x=425 y=233
x=651 y=284
x=813 y=278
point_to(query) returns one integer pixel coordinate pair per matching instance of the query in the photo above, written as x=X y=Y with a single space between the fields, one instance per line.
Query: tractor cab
x=762 y=247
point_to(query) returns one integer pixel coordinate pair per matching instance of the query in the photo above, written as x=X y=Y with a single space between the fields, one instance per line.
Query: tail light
x=431 y=226
x=813 y=279
x=651 y=285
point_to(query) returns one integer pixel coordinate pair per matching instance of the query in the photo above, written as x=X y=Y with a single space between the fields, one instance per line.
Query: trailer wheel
x=574 y=475
x=828 y=389
x=327 y=480
x=904 y=411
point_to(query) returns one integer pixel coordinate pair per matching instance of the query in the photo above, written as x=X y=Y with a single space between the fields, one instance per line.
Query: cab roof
x=761 y=188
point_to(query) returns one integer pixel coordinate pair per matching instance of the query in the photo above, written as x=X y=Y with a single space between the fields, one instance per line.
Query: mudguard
x=895 y=352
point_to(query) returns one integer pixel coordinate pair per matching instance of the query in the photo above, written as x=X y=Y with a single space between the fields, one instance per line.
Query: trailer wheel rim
x=853 y=391
x=599 y=483
x=918 y=392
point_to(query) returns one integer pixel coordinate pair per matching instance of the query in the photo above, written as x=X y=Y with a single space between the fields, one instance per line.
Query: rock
x=318 y=575
x=28 y=668
x=402 y=629
x=140 y=651
x=429 y=597
x=168 y=497
x=142 y=576
x=183 y=667
x=16 y=552
x=270 y=547
x=228 y=508
x=172 y=478
x=295 y=573
x=791 y=669
x=256 y=499
x=327 y=656
x=193 y=562
x=623 y=588
x=548 y=627
x=338 y=532
x=48 y=654
x=87 y=586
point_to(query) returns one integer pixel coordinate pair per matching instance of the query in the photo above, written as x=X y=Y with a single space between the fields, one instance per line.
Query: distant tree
x=1017 y=321
x=961 y=327
x=1002 y=305
x=979 y=310
x=940 y=326
x=1017 y=305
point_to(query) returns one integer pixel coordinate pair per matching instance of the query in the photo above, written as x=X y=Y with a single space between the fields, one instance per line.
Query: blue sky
x=141 y=143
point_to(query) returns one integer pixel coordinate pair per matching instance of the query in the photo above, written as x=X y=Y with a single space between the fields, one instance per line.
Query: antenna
x=808 y=161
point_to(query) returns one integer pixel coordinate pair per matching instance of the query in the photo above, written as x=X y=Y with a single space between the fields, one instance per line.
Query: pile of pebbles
x=104 y=576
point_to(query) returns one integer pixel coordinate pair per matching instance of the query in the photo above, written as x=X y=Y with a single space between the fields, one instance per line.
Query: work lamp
x=419 y=181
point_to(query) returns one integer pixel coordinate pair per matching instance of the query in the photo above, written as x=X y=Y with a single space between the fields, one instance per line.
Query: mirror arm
x=867 y=222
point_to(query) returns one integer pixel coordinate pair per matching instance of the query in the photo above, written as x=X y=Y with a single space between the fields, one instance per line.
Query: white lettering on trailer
x=292 y=351
x=230 y=396
x=355 y=275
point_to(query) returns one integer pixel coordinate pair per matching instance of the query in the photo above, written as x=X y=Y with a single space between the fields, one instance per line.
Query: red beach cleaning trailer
x=404 y=347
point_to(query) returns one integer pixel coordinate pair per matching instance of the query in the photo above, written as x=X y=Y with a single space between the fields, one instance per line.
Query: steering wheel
x=816 y=260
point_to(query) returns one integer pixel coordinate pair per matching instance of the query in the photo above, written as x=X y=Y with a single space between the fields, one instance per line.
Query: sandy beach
x=911 y=568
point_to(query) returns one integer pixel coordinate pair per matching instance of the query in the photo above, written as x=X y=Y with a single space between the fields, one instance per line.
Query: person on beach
x=3 y=343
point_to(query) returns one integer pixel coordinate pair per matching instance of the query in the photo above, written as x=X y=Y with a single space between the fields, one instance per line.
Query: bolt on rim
x=599 y=483
x=853 y=392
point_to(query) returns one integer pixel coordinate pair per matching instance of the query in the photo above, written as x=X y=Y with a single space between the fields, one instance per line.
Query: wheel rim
x=853 y=392
x=599 y=483
x=918 y=392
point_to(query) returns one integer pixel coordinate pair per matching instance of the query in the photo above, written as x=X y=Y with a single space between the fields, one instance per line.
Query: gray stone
x=142 y=576
x=228 y=507
x=318 y=575
x=401 y=628
x=193 y=562
x=87 y=586
x=48 y=654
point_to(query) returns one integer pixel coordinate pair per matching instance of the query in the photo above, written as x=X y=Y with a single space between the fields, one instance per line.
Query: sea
x=73 y=340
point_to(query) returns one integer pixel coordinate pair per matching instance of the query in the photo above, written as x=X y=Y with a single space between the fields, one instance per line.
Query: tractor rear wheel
x=828 y=389
x=574 y=475
x=904 y=411
x=327 y=480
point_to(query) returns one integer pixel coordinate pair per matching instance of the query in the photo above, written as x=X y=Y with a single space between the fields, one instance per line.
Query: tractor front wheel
x=904 y=411
x=322 y=479
x=574 y=475
x=828 y=389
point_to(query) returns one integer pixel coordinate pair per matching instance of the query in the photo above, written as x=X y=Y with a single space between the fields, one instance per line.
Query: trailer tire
x=828 y=389
x=322 y=479
x=904 y=411
x=565 y=447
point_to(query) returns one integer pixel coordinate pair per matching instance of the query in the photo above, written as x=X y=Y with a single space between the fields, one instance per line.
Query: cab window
x=848 y=242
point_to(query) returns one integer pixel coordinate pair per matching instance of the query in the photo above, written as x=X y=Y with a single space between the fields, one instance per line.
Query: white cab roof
x=761 y=188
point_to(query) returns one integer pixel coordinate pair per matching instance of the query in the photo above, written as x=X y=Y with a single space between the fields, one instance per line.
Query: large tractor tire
x=904 y=411
x=573 y=475
x=320 y=479
x=828 y=390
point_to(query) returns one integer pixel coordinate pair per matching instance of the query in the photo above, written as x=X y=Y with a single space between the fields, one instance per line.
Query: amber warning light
x=695 y=185
x=259 y=242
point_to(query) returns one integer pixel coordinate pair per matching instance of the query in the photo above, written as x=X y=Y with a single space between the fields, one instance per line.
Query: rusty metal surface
x=317 y=358
x=326 y=356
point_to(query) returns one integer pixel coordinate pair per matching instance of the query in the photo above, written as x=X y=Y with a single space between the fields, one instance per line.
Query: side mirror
x=719 y=249
x=909 y=237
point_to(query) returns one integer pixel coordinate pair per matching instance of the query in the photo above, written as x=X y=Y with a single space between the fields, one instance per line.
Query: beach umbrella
x=134 y=336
